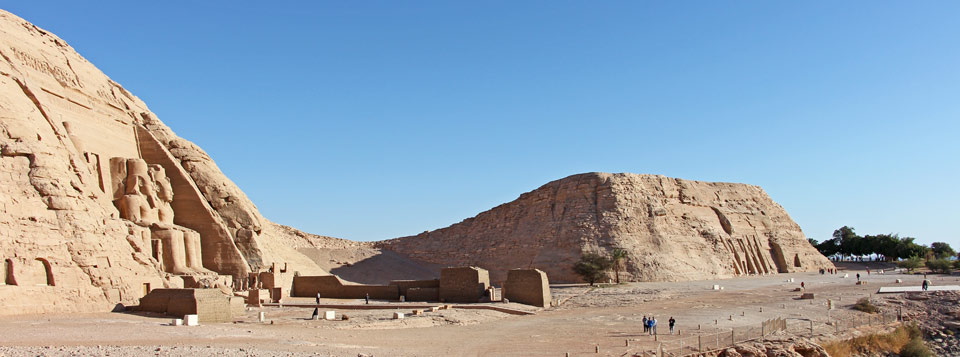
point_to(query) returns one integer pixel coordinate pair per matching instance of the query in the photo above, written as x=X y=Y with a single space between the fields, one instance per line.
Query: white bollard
x=262 y=316
x=191 y=320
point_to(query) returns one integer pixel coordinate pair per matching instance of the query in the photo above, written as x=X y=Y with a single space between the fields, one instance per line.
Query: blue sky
x=373 y=120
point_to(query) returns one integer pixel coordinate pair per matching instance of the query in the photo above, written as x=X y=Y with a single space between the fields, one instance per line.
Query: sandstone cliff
x=101 y=201
x=672 y=229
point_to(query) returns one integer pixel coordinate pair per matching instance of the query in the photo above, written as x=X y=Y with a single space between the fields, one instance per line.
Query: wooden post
x=597 y=348
x=733 y=340
x=763 y=335
x=811 y=328
x=626 y=343
x=699 y=344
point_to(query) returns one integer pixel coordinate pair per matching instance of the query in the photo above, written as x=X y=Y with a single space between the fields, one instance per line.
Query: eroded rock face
x=99 y=200
x=672 y=229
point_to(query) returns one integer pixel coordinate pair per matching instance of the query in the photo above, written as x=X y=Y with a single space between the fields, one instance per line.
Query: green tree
x=592 y=267
x=906 y=248
x=616 y=259
x=847 y=240
x=910 y=263
x=939 y=266
x=942 y=250
x=829 y=247
x=886 y=245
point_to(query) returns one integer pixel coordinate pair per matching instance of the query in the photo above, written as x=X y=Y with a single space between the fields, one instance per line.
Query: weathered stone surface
x=673 y=229
x=100 y=202
x=527 y=286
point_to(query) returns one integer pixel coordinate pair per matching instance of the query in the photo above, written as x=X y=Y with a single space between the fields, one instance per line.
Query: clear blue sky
x=377 y=119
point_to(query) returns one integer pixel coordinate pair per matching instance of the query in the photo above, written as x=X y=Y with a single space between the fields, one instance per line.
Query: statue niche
x=144 y=195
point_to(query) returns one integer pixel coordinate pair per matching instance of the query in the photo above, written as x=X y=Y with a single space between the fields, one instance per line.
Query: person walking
x=858 y=276
x=802 y=286
x=925 y=285
x=653 y=325
x=645 y=325
x=672 y=323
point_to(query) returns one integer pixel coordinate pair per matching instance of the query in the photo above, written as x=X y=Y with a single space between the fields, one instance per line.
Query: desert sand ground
x=589 y=317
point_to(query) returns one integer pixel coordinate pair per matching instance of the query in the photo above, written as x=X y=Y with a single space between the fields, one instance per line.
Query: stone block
x=191 y=320
x=716 y=287
x=397 y=315
x=463 y=284
x=527 y=286
x=329 y=315
x=176 y=322
x=807 y=296
x=212 y=305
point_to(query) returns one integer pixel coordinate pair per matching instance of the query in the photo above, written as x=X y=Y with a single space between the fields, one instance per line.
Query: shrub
x=865 y=305
x=915 y=348
x=939 y=266
x=882 y=344
x=910 y=263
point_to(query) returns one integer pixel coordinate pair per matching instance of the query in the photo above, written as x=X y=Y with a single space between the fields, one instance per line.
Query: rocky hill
x=100 y=200
x=672 y=229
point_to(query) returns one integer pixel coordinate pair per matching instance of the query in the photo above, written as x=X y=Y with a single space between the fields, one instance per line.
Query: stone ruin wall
x=528 y=286
x=673 y=230
x=463 y=284
x=101 y=201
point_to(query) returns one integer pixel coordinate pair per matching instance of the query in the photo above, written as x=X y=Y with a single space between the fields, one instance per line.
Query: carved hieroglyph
x=672 y=229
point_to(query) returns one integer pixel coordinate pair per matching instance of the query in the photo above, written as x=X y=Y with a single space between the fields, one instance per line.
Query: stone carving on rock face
x=144 y=195
x=142 y=192
x=174 y=253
